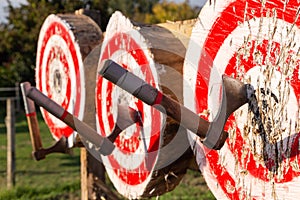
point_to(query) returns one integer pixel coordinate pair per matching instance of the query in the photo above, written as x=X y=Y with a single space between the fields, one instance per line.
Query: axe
x=103 y=145
x=211 y=133
x=126 y=117
x=39 y=152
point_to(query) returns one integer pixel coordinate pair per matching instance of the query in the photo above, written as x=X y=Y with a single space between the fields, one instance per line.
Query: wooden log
x=151 y=158
x=64 y=42
x=93 y=14
x=258 y=43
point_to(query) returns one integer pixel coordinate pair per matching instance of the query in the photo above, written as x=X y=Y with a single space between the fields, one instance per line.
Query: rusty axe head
x=234 y=95
x=126 y=117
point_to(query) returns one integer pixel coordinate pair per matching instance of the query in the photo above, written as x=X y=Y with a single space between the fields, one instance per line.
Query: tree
x=135 y=9
x=19 y=36
x=171 y=11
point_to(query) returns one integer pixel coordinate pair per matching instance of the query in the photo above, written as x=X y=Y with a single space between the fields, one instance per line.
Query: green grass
x=192 y=187
x=58 y=176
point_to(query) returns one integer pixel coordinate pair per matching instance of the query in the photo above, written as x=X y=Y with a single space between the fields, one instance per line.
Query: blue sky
x=195 y=2
x=3 y=4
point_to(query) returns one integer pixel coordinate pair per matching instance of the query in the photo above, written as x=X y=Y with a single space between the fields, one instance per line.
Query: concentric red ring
x=129 y=145
x=54 y=27
x=226 y=21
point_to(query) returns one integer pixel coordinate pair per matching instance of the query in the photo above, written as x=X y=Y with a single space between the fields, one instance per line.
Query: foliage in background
x=165 y=10
x=135 y=10
x=19 y=36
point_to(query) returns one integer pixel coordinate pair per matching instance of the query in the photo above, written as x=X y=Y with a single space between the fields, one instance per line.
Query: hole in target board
x=275 y=148
x=274 y=124
x=57 y=81
x=278 y=95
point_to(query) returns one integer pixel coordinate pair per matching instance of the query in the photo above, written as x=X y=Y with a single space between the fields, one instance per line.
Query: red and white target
x=257 y=42
x=131 y=164
x=60 y=73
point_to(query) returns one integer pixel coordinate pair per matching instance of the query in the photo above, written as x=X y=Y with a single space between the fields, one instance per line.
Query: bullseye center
x=58 y=80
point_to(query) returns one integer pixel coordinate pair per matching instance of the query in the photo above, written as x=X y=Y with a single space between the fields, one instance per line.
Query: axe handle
x=151 y=96
x=31 y=120
x=104 y=145
x=34 y=131
x=183 y=115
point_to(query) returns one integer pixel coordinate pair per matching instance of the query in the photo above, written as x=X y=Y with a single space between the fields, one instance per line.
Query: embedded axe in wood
x=234 y=95
x=102 y=144
x=126 y=117
x=39 y=152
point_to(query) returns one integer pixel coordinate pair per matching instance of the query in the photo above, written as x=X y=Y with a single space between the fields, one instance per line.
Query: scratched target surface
x=131 y=164
x=60 y=73
x=258 y=44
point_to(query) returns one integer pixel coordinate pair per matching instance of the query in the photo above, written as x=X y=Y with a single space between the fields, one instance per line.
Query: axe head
x=234 y=95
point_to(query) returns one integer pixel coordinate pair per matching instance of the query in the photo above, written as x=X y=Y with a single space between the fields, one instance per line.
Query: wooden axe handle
x=104 y=145
x=31 y=120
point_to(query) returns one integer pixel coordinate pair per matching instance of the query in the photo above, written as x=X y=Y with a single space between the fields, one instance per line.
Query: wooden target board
x=60 y=73
x=133 y=166
x=257 y=42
